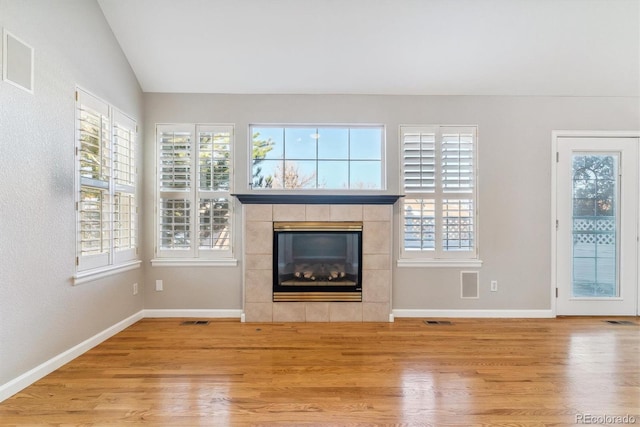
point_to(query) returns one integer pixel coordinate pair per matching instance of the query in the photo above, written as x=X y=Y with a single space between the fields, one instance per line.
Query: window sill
x=191 y=262
x=99 y=273
x=440 y=263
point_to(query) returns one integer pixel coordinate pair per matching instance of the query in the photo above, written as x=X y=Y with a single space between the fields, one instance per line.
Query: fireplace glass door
x=317 y=261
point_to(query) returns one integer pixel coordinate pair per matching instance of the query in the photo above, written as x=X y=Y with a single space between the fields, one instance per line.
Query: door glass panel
x=595 y=226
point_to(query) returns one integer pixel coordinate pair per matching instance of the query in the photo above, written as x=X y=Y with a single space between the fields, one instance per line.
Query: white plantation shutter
x=214 y=183
x=94 y=231
x=125 y=205
x=175 y=169
x=215 y=224
x=94 y=158
x=175 y=227
x=125 y=222
x=214 y=158
x=106 y=206
x=94 y=133
x=124 y=150
x=194 y=184
x=458 y=225
x=419 y=224
x=419 y=160
x=457 y=161
x=439 y=182
x=175 y=148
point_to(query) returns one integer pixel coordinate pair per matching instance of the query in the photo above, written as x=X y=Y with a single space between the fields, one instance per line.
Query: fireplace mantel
x=317 y=199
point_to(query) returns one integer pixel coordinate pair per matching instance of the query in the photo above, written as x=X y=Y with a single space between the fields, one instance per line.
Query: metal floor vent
x=620 y=322
x=437 y=322
x=195 y=322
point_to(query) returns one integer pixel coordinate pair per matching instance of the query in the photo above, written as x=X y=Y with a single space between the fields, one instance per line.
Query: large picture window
x=439 y=183
x=194 y=183
x=317 y=157
x=107 y=203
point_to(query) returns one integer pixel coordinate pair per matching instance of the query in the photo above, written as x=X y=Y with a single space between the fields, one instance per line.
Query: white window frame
x=192 y=255
x=313 y=190
x=114 y=126
x=438 y=256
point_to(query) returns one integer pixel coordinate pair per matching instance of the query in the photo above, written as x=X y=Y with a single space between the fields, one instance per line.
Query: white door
x=597 y=217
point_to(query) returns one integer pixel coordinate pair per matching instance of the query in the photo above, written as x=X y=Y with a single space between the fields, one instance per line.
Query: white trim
x=521 y=314
x=99 y=273
x=554 y=219
x=439 y=263
x=194 y=262
x=17 y=384
x=595 y=134
x=555 y=136
x=204 y=313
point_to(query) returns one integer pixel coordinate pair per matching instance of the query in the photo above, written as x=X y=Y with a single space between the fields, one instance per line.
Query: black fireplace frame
x=314 y=291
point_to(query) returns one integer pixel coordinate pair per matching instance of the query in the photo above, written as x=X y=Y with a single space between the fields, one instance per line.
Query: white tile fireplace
x=258 y=305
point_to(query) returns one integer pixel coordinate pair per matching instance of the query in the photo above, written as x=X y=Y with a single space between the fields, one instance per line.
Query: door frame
x=555 y=136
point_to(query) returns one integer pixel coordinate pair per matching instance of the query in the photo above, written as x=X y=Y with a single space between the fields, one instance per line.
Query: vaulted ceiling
x=432 y=47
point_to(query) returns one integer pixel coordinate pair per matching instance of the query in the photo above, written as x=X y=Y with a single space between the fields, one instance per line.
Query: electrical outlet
x=494 y=286
x=135 y=289
x=158 y=285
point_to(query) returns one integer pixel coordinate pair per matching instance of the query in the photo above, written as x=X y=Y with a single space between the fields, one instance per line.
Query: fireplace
x=317 y=261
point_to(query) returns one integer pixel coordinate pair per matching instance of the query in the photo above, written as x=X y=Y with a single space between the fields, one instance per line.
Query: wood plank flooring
x=483 y=372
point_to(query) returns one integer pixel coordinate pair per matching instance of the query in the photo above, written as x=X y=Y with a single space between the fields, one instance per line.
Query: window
x=439 y=182
x=317 y=157
x=194 y=191
x=107 y=205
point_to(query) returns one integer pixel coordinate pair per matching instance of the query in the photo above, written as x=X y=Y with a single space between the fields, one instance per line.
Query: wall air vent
x=17 y=62
x=469 y=284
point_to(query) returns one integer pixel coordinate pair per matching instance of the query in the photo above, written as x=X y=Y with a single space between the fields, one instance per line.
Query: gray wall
x=514 y=184
x=41 y=313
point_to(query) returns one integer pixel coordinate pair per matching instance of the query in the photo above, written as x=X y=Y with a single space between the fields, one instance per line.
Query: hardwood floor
x=515 y=372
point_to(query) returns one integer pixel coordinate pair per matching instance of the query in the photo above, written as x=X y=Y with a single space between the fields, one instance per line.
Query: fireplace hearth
x=317 y=261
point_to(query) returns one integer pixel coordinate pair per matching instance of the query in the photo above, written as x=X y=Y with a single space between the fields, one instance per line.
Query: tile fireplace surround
x=258 y=262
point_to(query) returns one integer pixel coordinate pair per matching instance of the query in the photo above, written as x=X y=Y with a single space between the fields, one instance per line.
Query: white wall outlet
x=494 y=286
x=158 y=285
x=135 y=289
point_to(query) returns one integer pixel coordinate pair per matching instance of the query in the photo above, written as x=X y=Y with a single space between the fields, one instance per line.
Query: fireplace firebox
x=317 y=261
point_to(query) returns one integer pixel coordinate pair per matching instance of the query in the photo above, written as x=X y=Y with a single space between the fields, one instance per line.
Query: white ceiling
x=431 y=47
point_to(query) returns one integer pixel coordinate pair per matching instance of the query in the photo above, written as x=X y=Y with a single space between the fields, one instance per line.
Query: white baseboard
x=524 y=314
x=14 y=386
x=221 y=313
